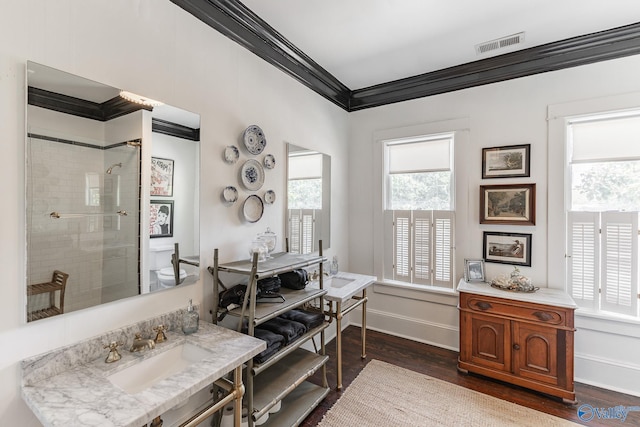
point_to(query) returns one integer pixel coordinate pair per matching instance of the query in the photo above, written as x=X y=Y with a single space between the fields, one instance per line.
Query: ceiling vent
x=501 y=43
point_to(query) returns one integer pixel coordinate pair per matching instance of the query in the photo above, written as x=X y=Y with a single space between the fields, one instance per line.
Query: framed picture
x=161 y=218
x=507 y=248
x=513 y=204
x=474 y=270
x=161 y=177
x=510 y=161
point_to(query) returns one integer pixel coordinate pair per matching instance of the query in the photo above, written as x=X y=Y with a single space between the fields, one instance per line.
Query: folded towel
x=289 y=329
x=310 y=319
x=268 y=336
x=274 y=343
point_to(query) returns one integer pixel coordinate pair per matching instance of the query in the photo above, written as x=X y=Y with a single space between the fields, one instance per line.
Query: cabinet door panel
x=490 y=341
x=535 y=352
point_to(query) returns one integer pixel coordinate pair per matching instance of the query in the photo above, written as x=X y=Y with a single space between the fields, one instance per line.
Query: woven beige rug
x=387 y=395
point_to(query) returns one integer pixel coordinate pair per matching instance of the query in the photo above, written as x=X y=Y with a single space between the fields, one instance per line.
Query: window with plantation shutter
x=419 y=215
x=603 y=188
x=603 y=260
x=422 y=247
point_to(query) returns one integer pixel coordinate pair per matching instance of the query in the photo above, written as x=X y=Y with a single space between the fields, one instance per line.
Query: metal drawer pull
x=543 y=316
x=516 y=346
x=483 y=305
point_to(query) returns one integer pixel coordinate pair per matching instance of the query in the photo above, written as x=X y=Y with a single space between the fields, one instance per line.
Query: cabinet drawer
x=515 y=309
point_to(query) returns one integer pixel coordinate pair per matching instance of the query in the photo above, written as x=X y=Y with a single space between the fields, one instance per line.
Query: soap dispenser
x=190 y=320
x=333 y=268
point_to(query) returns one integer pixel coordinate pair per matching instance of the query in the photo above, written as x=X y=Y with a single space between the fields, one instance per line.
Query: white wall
x=153 y=48
x=507 y=113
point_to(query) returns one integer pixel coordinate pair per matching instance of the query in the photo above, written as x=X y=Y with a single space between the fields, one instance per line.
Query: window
x=419 y=210
x=602 y=215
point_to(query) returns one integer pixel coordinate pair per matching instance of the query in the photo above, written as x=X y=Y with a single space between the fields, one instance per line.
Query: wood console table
x=522 y=338
x=342 y=289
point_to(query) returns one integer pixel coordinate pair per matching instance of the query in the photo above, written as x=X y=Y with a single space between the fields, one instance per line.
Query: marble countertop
x=548 y=296
x=344 y=293
x=83 y=396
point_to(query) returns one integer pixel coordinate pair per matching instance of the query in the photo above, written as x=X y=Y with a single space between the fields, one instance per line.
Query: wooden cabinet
x=525 y=340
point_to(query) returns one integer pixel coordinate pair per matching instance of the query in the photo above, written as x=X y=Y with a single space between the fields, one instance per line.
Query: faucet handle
x=113 y=355
x=160 y=335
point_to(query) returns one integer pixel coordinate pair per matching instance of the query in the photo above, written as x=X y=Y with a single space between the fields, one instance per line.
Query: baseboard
x=426 y=332
x=607 y=373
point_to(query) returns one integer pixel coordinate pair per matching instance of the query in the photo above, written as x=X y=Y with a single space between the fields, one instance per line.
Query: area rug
x=387 y=395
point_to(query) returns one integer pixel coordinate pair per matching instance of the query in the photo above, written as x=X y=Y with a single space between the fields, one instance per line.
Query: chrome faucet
x=140 y=344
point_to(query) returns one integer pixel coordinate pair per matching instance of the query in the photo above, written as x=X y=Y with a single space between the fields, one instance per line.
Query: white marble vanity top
x=344 y=293
x=548 y=296
x=82 y=395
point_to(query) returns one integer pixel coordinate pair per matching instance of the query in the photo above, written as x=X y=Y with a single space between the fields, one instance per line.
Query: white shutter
x=583 y=258
x=443 y=226
x=620 y=262
x=402 y=245
x=422 y=247
x=301 y=231
x=294 y=230
x=307 y=222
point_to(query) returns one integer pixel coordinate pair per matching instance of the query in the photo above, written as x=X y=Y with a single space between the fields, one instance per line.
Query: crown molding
x=236 y=21
x=105 y=111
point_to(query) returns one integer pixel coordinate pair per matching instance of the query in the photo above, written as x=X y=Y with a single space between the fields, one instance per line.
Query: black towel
x=289 y=329
x=274 y=343
x=309 y=319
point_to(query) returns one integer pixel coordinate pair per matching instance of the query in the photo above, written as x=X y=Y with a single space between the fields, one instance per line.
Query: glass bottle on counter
x=190 y=320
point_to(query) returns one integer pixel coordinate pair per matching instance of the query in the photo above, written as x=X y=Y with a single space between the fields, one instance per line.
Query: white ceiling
x=367 y=42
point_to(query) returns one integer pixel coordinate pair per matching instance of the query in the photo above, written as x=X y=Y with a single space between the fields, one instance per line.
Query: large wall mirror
x=112 y=194
x=308 y=209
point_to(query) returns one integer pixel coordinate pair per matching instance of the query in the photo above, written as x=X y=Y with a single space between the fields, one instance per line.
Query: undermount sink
x=339 y=282
x=148 y=372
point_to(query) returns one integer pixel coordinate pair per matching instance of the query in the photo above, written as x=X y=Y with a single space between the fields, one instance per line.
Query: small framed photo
x=161 y=177
x=507 y=248
x=474 y=270
x=509 y=161
x=513 y=204
x=161 y=218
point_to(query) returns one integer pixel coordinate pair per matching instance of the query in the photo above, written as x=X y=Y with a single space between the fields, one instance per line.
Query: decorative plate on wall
x=269 y=161
x=231 y=154
x=252 y=175
x=269 y=197
x=254 y=139
x=253 y=208
x=230 y=194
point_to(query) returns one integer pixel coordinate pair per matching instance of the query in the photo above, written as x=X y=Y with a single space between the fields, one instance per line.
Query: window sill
x=608 y=323
x=426 y=293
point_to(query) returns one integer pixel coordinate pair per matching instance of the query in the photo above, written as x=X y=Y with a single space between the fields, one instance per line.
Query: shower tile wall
x=90 y=242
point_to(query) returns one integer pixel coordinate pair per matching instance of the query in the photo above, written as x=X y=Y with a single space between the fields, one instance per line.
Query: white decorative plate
x=231 y=154
x=269 y=161
x=230 y=194
x=252 y=175
x=254 y=139
x=253 y=208
x=269 y=197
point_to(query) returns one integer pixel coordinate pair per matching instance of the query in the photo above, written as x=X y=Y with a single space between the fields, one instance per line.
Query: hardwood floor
x=440 y=363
